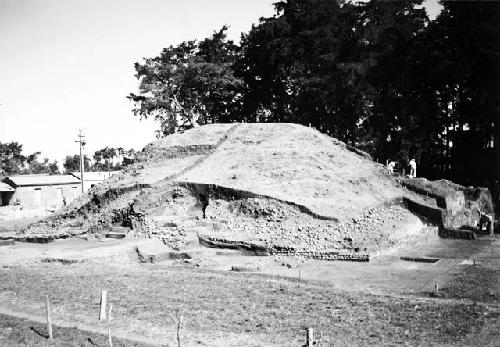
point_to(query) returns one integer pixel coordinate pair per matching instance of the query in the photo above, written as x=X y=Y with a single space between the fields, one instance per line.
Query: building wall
x=45 y=196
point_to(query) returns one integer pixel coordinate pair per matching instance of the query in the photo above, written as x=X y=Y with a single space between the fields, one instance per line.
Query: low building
x=91 y=178
x=6 y=193
x=41 y=191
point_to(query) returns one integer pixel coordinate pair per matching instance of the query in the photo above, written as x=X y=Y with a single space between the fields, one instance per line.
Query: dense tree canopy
x=37 y=167
x=305 y=65
x=11 y=159
x=13 y=162
x=72 y=163
x=379 y=75
x=192 y=83
x=103 y=158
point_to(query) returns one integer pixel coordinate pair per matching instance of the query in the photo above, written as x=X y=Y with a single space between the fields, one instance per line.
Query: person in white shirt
x=390 y=166
x=413 y=168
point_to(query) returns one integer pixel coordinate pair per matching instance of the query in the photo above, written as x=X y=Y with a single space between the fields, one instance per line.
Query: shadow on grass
x=39 y=333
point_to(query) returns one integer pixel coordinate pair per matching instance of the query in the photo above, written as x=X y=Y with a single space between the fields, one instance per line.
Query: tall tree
x=465 y=66
x=391 y=33
x=378 y=74
x=189 y=84
x=37 y=167
x=103 y=158
x=305 y=65
x=72 y=163
x=11 y=159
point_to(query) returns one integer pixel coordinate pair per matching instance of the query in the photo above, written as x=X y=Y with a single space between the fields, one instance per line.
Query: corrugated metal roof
x=43 y=180
x=95 y=175
x=4 y=187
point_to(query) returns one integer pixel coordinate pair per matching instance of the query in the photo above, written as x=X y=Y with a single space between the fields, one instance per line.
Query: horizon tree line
x=14 y=162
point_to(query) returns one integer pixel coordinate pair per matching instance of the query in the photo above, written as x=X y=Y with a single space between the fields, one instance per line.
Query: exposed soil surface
x=297 y=164
x=275 y=184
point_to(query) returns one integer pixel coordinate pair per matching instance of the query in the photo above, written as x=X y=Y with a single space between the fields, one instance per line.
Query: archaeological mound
x=261 y=187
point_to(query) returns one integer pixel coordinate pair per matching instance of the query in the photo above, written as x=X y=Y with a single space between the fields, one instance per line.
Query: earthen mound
x=284 y=185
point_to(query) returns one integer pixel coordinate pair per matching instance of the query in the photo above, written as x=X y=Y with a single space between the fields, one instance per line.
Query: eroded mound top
x=287 y=162
x=296 y=164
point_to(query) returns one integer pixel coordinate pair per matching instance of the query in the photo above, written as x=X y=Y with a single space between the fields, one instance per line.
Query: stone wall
x=278 y=250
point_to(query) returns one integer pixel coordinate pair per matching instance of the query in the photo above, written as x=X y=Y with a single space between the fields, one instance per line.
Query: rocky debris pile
x=173 y=235
x=377 y=228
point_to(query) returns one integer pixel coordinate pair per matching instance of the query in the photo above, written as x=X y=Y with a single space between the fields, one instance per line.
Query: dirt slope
x=297 y=164
x=277 y=184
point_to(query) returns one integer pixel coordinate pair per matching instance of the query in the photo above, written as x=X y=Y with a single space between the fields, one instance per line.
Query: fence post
x=102 y=314
x=310 y=337
x=49 y=320
x=179 y=327
x=110 y=341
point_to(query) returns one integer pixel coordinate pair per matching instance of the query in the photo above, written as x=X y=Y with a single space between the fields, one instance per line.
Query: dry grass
x=22 y=332
x=222 y=309
x=476 y=283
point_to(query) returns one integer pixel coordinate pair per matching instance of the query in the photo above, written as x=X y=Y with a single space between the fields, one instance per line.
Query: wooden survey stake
x=102 y=314
x=310 y=337
x=49 y=319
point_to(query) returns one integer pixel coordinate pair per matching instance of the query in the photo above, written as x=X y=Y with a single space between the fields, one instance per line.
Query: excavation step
x=262 y=250
x=245 y=268
x=420 y=259
x=38 y=239
x=464 y=234
x=64 y=261
x=7 y=242
x=121 y=230
x=202 y=252
x=114 y=235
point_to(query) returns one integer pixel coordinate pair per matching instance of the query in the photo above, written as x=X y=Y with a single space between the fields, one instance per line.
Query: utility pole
x=81 y=140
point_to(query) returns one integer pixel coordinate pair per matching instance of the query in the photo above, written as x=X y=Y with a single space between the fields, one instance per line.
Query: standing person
x=390 y=166
x=413 y=168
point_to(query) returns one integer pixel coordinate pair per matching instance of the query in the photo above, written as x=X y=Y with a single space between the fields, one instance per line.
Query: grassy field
x=22 y=332
x=238 y=309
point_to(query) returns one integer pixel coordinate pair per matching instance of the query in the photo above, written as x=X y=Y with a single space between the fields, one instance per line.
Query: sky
x=67 y=65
